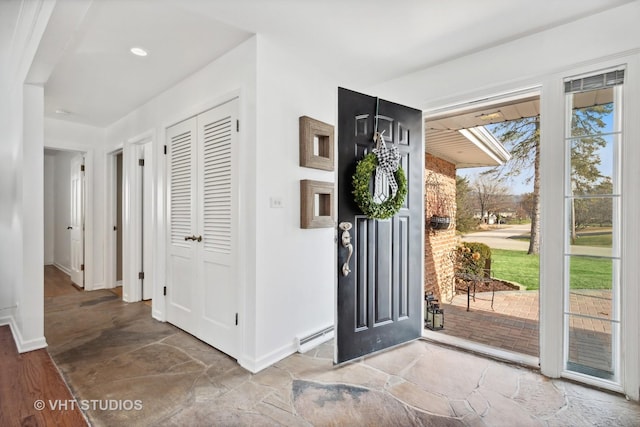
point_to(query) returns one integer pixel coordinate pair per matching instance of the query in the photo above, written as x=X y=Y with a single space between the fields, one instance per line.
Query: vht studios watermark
x=86 y=405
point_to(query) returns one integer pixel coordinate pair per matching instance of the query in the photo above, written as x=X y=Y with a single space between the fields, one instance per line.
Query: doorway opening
x=117 y=228
x=129 y=270
x=482 y=176
x=65 y=214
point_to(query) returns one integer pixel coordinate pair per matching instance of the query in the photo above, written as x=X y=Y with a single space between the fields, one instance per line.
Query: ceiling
x=87 y=70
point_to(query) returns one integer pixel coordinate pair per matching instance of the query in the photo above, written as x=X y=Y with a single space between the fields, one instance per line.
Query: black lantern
x=434 y=315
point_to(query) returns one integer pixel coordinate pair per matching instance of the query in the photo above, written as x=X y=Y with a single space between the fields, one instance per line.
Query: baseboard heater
x=310 y=341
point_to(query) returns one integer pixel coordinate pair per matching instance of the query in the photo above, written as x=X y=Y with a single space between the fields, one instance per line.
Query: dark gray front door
x=379 y=301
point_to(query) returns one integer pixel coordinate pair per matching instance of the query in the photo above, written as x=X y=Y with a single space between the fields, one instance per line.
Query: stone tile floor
x=108 y=349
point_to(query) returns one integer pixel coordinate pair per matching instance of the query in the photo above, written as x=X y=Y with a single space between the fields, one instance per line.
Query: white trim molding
x=7 y=318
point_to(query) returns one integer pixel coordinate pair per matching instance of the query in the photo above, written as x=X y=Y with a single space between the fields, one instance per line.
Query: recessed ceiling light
x=138 y=51
x=62 y=112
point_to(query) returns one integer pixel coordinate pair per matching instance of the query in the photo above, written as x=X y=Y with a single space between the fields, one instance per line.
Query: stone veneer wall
x=440 y=194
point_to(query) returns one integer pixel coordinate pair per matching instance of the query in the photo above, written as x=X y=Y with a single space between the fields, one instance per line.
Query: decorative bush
x=470 y=258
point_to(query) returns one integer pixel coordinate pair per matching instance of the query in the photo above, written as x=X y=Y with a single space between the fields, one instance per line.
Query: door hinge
x=236 y=319
x=81 y=267
x=140 y=162
x=141 y=275
x=165 y=149
x=164 y=291
x=81 y=168
x=237 y=125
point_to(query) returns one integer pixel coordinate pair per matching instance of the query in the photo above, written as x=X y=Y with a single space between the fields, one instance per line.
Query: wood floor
x=57 y=283
x=33 y=377
x=28 y=379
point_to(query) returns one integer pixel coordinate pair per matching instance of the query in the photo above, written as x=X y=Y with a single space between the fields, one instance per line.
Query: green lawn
x=595 y=239
x=587 y=238
x=517 y=266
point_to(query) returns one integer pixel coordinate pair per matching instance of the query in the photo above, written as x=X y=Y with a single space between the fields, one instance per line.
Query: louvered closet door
x=201 y=285
x=181 y=271
x=217 y=136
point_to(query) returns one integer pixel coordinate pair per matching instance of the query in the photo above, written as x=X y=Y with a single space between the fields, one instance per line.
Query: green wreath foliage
x=363 y=197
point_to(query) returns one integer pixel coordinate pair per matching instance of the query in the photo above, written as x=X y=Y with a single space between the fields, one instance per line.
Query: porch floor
x=512 y=323
x=108 y=349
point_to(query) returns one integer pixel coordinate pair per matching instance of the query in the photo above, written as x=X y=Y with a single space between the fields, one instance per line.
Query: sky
x=516 y=185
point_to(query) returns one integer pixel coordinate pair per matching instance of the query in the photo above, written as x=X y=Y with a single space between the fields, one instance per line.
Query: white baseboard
x=62 y=268
x=96 y=286
x=256 y=365
x=22 y=345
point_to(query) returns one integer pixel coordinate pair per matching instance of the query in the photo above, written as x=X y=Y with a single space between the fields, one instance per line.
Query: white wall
x=29 y=313
x=49 y=209
x=21 y=190
x=295 y=267
x=10 y=221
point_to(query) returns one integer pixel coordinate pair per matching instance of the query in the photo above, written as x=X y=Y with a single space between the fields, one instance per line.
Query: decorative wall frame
x=317 y=204
x=316 y=144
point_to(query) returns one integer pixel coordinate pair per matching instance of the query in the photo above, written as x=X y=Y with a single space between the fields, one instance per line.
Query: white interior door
x=201 y=291
x=76 y=224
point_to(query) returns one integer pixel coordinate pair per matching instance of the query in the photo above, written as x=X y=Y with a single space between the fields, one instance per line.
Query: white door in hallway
x=76 y=223
x=201 y=285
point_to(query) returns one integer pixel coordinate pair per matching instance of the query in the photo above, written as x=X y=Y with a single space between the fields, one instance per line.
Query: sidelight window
x=592 y=255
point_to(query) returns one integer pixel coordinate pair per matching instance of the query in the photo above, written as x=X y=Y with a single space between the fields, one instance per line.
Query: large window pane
x=593 y=113
x=590 y=349
x=592 y=165
x=591 y=285
x=591 y=225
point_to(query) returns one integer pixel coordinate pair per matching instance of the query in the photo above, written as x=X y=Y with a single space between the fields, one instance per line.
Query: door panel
x=76 y=225
x=181 y=217
x=217 y=135
x=379 y=302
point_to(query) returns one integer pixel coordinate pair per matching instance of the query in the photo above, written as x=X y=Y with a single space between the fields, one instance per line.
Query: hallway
x=108 y=349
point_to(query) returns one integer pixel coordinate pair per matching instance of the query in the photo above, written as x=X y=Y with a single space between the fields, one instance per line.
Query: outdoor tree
x=464 y=203
x=586 y=178
x=522 y=138
x=490 y=194
x=527 y=204
x=593 y=210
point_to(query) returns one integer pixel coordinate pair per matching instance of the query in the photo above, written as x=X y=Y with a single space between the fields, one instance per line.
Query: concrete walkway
x=504 y=237
x=501 y=237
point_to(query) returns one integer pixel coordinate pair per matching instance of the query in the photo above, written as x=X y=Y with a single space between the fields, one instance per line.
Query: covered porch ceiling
x=460 y=137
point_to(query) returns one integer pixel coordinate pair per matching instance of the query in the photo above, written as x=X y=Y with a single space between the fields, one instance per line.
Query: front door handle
x=346 y=243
